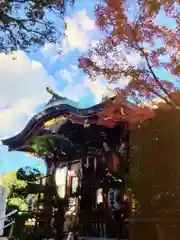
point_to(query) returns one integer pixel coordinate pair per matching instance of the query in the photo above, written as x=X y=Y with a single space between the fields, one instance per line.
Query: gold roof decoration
x=86 y=124
x=53 y=121
x=50 y=122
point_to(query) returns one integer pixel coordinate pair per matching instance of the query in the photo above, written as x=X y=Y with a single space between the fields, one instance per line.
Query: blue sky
x=24 y=91
x=54 y=74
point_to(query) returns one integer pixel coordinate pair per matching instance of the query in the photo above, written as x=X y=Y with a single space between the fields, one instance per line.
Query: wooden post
x=48 y=195
x=127 y=147
x=88 y=193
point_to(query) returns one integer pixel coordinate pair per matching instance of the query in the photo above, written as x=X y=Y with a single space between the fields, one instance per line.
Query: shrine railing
x=136 y=229
x=100 y=228
x=5 y=218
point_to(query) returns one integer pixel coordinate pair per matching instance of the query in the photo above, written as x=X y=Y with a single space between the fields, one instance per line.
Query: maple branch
x=172 y=101
x=151 y=89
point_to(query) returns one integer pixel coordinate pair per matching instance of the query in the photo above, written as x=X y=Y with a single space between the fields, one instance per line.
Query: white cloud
x=96 y=87
x=77 y=31
x=74 y=67
x=78 y=36
x=75 y=92
x=23 y=85
x=51 y=52
x=66 y=75
x=22 y=89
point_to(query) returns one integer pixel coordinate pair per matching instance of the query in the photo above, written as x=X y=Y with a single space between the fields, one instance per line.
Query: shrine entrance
x=94 y=156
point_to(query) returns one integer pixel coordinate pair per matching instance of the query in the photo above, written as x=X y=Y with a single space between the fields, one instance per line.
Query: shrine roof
x=55 y=114
x=60 y=116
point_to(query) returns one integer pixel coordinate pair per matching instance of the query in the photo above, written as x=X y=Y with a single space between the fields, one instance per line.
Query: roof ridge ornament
x=55 y=96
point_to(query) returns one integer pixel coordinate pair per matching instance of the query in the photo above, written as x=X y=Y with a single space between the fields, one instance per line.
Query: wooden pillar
x=48 y=195
x=59 y=221
x=88 y=194
x=114 y=191
x=127 y=147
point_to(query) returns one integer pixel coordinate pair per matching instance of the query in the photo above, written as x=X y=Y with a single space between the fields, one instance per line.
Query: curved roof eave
x=46 y=115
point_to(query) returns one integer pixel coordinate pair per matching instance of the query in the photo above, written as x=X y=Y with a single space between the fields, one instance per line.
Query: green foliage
x=50 y=144
x=11 y=182
x=28 y=174
x=10 y=179
x=44 y=145
x=26 y=23
x=17 y=185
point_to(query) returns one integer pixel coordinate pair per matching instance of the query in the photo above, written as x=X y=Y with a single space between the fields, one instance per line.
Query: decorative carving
x=55 y=96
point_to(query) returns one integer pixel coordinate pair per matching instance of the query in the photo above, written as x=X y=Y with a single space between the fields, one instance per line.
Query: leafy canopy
x=16 y=182
x=51 y=145
x=12 y=183
x=136 y=27
x=26 y=23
